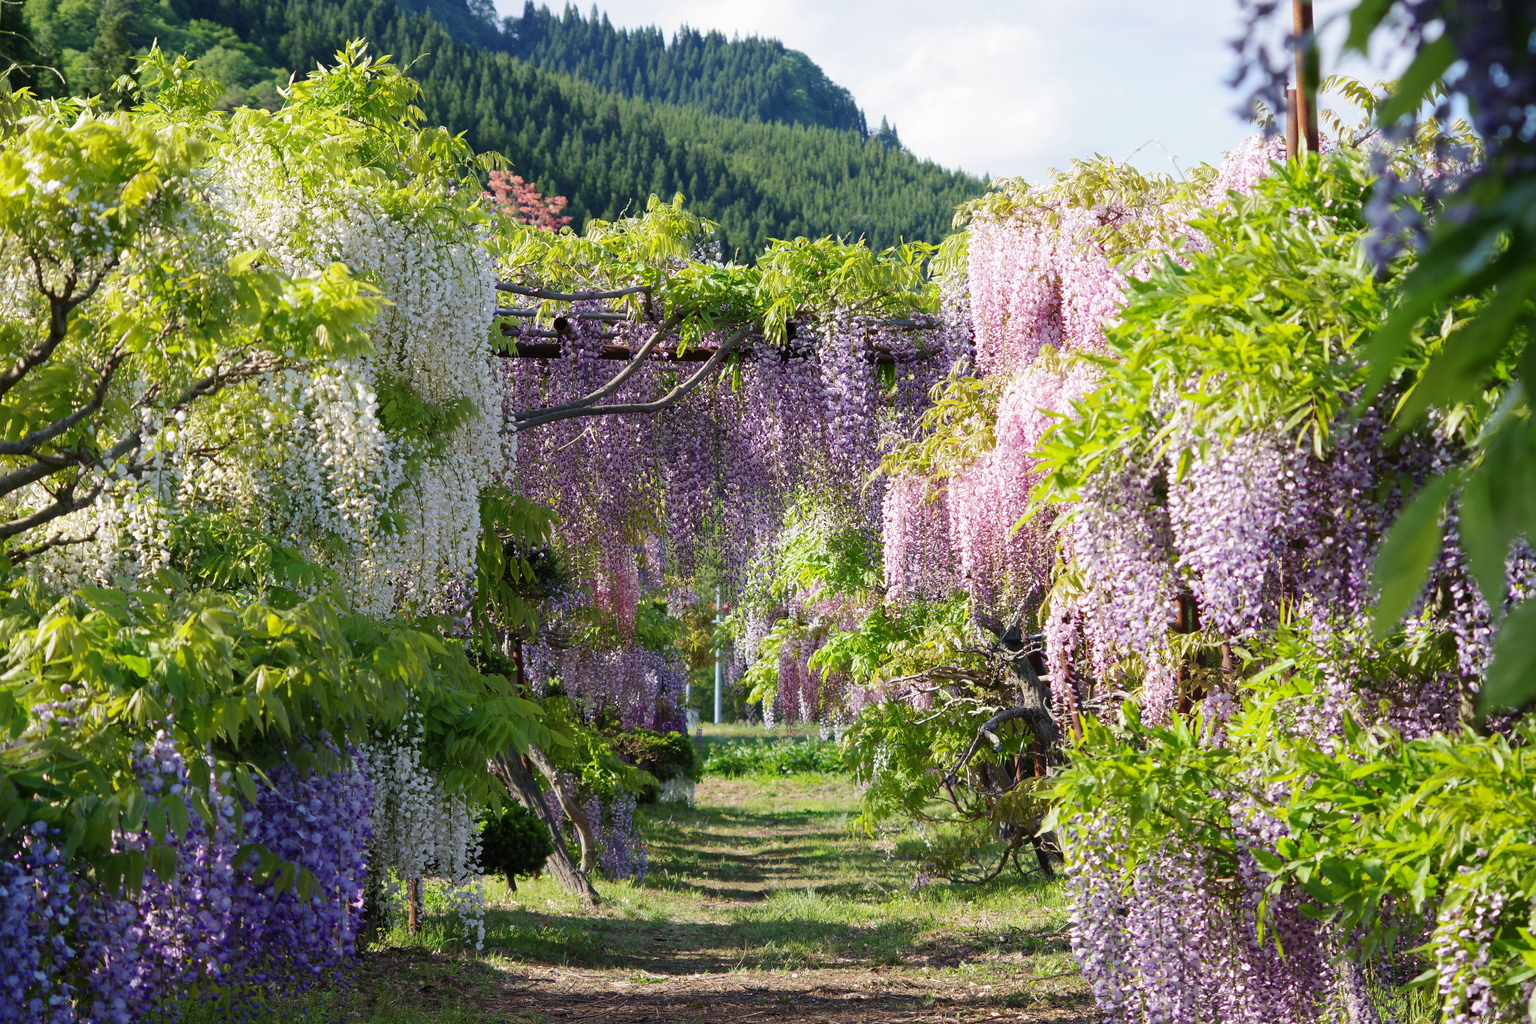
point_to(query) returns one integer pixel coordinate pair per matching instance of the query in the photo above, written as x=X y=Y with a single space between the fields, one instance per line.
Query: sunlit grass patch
x=766 y=880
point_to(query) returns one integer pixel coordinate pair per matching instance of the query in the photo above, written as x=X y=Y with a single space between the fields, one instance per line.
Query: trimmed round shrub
x=514 y=842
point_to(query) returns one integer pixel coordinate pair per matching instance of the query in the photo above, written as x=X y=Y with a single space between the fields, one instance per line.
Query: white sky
x=1007 y=87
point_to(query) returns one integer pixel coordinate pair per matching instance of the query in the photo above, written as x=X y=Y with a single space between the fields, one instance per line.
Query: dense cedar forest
x=753 y=134
x=750 y=79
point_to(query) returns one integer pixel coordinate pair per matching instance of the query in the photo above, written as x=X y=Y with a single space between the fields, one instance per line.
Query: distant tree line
x=754 y=134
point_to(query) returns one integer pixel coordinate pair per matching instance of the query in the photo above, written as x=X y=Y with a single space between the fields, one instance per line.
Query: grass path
x=760 y=906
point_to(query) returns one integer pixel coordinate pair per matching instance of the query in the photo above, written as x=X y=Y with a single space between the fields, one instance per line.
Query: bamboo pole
x=718 y=664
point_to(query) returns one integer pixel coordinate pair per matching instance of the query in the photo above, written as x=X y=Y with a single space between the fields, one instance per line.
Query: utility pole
x=718 y=667
x=1301 y=101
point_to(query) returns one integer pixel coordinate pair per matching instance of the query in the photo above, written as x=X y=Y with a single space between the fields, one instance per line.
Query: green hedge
x=786 y=756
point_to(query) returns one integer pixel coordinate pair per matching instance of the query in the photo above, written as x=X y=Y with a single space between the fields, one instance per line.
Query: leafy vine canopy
x=249 y=412
x=315 y=272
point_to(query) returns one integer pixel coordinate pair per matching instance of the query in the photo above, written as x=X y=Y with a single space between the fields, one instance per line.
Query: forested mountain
x=749 y=78
x=752 y=78
x=605 y=150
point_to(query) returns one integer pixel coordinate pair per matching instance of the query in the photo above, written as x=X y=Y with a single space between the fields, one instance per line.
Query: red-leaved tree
x=525 y=204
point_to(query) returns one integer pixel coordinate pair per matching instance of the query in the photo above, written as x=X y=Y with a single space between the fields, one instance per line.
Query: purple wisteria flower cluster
x=622 y=853
x=643 y=689
x=712 y=479
x=1462 y=943
x=71 y=951
x=63 y=957
x=1178 y=559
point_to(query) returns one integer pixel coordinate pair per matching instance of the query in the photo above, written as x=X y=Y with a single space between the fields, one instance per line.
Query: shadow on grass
x=680 y=948
x=710 y=852
x=415 y=986
x=682 y=1005
x=389 y=986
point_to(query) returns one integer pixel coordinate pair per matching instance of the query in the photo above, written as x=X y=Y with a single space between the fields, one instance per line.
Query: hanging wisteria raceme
x=1042 y=266
x=783 y=438
x=1041 y=287
x=787 y=427
x=600 y=474
x=371 y=465
x=1228 y=516
x=1224 y=540
x=72 y=951
x=1004 y=564
x=622 y=851
x=352 y=468
x=823 y=697
x=1239 y=524
x=919 y=563
x=1246 y=164
x=802 y=690
x=956 y=334
x=615 y=585
x=848 y=386
x=693 y=472
x=916 y=533
x=720 y=470
x=1164 y=942
x=1253 y=525
x=642 y=689
x=184 y=923
x=1015 y=293
x=1462 y=941
x=800 y=435
x=212 y=929
x=1122 y=540
x=418 y=830
x=799 y=692
x=67 y=951
x=321 y=823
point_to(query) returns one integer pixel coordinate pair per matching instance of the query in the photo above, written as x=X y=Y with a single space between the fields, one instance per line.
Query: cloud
x=974 y=101
x=1008 y=87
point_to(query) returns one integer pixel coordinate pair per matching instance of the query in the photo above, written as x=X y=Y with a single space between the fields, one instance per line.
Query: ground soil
x=798 y=997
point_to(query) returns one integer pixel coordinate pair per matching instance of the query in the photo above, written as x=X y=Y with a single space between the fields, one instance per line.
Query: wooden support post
x=413 y=910
x=1186 y=614
x=1186 y=619
x=1305 y=96
x=519 y=674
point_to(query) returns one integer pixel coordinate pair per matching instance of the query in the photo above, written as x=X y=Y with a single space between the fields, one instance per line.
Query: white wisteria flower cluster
x=370 y=465
x=392 y=506
x=417 y=830
x=127 y=532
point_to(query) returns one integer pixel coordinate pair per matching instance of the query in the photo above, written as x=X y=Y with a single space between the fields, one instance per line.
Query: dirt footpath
x=801 y=997
x=762 y=904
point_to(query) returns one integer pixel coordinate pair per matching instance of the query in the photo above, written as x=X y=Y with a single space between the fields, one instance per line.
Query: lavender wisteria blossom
x=74 y=951
x=710 y=481
x=1219 y=507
